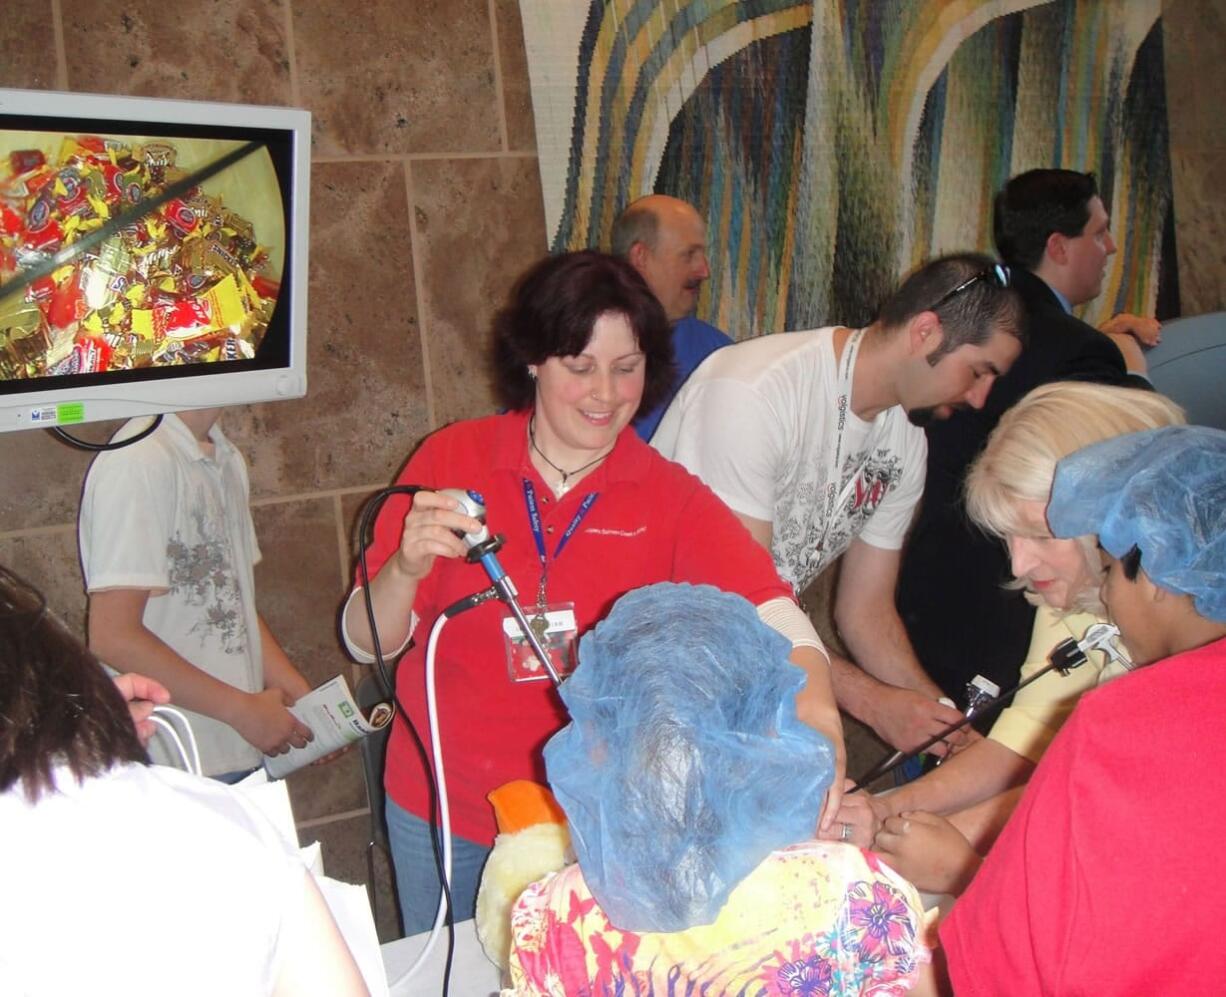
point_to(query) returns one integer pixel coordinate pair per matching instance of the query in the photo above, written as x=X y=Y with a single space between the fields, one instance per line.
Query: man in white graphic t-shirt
x=814 y=440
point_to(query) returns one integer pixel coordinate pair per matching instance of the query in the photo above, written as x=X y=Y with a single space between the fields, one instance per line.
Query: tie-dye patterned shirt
x=816 y=918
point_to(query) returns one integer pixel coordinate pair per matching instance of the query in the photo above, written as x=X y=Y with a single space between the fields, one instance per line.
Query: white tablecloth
x=472 y=974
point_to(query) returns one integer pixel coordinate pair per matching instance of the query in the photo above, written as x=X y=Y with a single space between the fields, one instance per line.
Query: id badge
x=557 y=632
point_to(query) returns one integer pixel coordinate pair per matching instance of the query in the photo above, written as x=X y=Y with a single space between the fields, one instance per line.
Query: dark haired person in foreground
x=1052 y=230
x=1109 y=877
x=588 y=510
x=813 y=440
x=122 y=877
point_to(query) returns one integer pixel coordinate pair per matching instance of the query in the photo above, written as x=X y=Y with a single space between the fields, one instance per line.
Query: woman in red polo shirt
x=588 y=511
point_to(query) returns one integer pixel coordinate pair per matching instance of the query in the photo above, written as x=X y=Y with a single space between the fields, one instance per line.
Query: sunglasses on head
x=997 y=274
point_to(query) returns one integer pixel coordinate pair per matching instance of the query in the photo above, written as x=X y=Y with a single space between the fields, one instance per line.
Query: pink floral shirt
x=816 y=918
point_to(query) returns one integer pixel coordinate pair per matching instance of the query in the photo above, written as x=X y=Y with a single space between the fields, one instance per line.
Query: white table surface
x=472 y=974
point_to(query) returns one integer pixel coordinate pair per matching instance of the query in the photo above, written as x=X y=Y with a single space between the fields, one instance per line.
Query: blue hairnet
x=684 y=764
x=1162 y=491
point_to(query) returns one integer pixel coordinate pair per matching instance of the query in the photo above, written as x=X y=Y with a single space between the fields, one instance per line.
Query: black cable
x=469 y=602
x=80 y=444
x=891 y=762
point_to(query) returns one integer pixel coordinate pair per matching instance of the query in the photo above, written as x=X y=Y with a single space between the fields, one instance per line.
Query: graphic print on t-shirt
x=804 y=547
x=201 y=575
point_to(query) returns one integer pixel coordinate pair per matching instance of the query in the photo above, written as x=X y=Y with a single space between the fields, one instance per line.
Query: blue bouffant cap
x=1162 y=491
x=684 y=764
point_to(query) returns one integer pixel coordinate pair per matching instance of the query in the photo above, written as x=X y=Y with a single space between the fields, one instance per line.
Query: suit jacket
x=950 y=596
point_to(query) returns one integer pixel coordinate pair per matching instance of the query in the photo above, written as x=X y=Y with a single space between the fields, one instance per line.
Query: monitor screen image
x=152 y=256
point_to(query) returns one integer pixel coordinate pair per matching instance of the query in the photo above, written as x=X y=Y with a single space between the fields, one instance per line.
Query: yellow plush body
x=517 y=859
x=532 y=841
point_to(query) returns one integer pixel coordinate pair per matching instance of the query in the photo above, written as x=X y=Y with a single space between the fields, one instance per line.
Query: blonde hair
x=1051 y=422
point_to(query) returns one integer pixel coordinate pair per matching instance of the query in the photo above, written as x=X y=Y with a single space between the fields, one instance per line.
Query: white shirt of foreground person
x=147 y=880
x=760 y=424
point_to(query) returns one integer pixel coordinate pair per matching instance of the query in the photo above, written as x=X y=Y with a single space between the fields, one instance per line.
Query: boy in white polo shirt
x=168 y=550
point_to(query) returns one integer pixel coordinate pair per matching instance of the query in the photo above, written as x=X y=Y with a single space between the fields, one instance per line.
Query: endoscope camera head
x=472 y=503
x=1071 y=653
x=1066 y=656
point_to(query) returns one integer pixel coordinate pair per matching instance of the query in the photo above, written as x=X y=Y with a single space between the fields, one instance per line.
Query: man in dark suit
x=1052 y=230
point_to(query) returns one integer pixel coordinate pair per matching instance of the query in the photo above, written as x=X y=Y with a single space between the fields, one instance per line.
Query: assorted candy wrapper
x=187 y=283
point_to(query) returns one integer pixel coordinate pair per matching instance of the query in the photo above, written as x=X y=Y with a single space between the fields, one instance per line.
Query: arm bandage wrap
x=787 y=618
x=363 y=657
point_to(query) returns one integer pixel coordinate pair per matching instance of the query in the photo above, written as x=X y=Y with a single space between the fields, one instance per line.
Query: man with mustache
x=665 y=240
x=812 y=439
x=1053 y=231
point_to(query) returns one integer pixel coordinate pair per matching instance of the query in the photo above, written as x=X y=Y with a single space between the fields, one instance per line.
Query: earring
x=532 y=373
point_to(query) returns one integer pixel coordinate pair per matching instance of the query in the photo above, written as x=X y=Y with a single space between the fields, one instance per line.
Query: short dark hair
x=1131 y=562
x=58 y=704
x=553 y=309
x=969 y=318
x=637 y=223
x=1035 y=204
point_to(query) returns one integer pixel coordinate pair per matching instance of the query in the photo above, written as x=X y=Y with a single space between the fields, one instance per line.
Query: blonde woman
x=1006 y=495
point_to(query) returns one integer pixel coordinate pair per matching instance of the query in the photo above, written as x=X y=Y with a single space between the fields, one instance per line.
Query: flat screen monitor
x=153 y=256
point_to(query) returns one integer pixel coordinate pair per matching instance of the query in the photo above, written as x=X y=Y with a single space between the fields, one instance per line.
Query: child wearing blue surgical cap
x=692 y=792
x=1110 y=877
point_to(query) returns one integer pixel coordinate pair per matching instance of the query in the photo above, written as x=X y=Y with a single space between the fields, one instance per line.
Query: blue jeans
x=417 y=876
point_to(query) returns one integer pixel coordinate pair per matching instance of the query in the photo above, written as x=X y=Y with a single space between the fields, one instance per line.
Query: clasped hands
x=925 y=848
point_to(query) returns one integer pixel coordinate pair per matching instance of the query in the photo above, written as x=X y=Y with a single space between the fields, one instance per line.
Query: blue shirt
x=693 y=341
x=1064 y=302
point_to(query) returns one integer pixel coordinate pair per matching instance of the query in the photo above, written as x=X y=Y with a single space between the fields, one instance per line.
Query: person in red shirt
x=1106 y=878
x=588 y=512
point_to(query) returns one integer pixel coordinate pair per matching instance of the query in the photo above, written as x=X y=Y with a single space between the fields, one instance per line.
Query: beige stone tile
x=365 y=407
x=480 y=223
x=398 y=77
x=49 y=562
x=227 y=50
x=1194 y=35
x=352 y=509
x=516 y=87
x=41 y=477
x=344 y=845
x=298 y=583
x=322 y=790
x=1198 y=178
x=299 y=590
x=27 y=39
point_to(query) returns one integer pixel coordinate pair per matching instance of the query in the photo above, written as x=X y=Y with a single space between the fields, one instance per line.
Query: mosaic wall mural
x=834 y=144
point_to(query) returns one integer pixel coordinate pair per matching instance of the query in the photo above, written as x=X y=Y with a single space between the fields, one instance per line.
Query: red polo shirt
x=653 y=522
x=1109 y=876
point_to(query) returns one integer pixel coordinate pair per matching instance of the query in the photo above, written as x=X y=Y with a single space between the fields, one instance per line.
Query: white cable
x=436 y=747
x=190 y=762
x=170 y=732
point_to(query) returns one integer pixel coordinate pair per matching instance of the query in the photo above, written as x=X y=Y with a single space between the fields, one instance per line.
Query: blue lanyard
x=534 y=520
